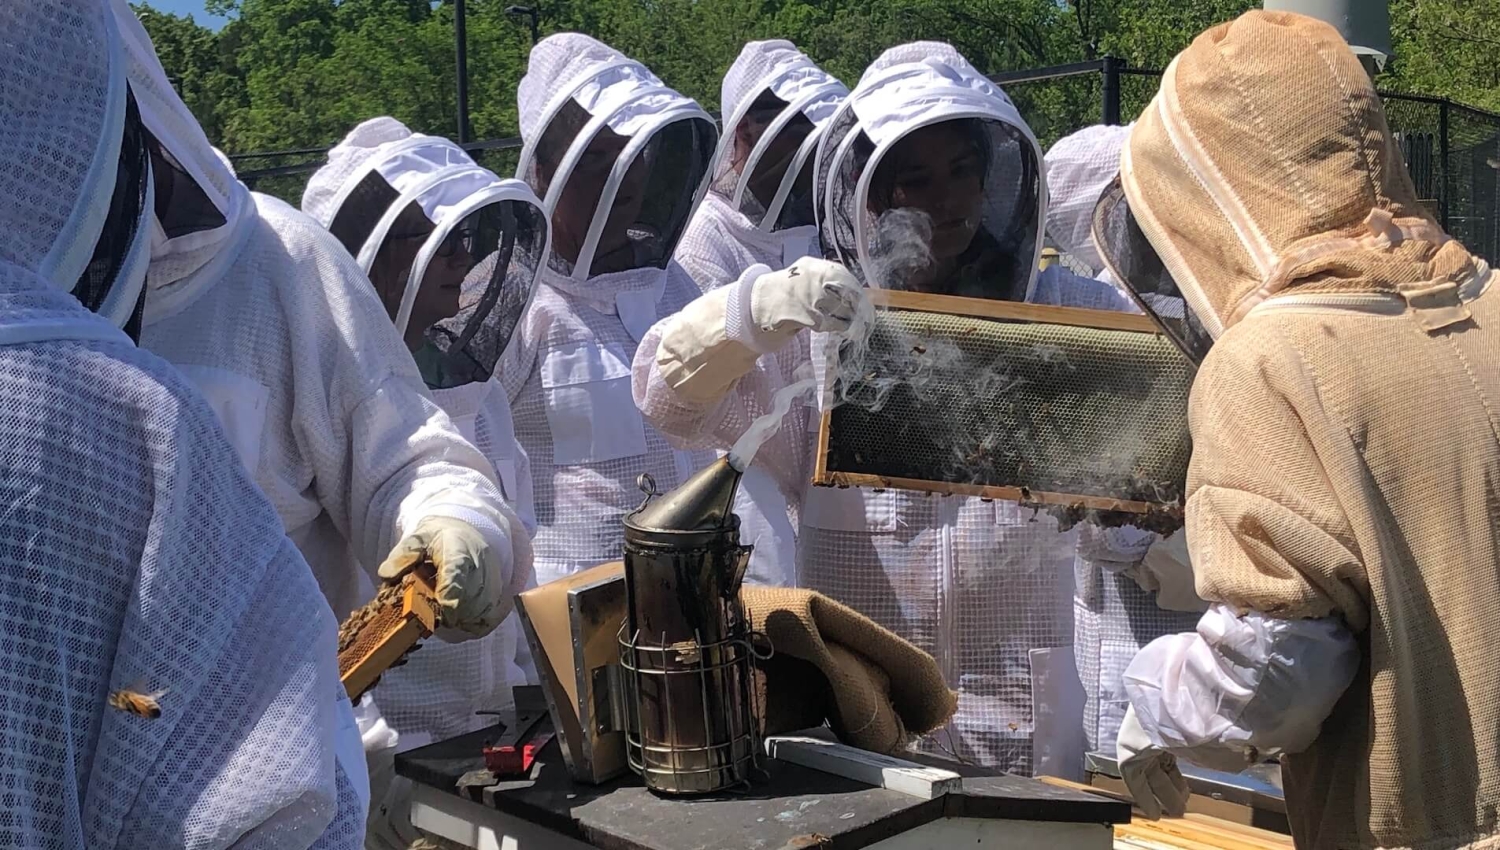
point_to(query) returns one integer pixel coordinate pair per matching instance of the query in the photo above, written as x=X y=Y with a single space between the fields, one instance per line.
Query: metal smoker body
x=685 y=647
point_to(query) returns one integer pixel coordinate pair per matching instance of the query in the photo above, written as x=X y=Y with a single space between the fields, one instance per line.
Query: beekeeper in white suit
x=759 y=209
x=620 y=162
x=927 y=142
x=453 y=252
x=275 y=324
x=136 y=555
x=1132 y=586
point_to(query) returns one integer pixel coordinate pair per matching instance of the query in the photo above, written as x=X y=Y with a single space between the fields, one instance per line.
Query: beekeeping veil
x=619 y=159
x=1229 y=210
x=199 y=202
x=476 y=242
x=775 y=102
x=86 y=172
x=910 y=88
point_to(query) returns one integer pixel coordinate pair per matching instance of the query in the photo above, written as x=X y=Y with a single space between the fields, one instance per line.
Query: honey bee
x=133 y=701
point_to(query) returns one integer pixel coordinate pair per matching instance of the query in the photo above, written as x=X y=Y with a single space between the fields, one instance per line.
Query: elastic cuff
x=739 y=322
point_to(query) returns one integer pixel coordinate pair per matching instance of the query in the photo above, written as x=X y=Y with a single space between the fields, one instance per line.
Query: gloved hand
x=1167 y=571
x=470 y=572
x=716 y=339
x=1150 y=773
x=810 y=293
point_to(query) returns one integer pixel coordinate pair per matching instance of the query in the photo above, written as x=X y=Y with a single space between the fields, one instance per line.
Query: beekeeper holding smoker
x=943 y=154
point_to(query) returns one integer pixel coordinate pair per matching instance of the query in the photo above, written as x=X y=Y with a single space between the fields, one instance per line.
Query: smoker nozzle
x=704 y=502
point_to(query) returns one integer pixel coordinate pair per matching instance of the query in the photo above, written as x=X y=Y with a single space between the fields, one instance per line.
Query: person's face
x=939 y=170
x=437 y=299
x=580 y=198
x=773 y=164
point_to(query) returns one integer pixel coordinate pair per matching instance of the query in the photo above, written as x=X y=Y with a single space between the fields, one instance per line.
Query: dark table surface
x=792 y=807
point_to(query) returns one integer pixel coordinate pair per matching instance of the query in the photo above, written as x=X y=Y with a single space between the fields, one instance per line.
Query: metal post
x=1110 y=69
x=1447 y=175
x=532 y=13
x=461 y=54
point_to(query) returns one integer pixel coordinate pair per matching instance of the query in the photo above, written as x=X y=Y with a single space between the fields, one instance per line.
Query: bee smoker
x=685 y=648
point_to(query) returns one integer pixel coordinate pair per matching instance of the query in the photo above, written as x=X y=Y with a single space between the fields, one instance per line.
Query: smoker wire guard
x=1116 y=371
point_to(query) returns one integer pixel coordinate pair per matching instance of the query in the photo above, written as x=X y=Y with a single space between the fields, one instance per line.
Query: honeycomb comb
x=379 y=635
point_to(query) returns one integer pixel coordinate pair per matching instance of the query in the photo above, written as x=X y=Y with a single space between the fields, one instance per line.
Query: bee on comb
x=134 y=701
x=378 y=636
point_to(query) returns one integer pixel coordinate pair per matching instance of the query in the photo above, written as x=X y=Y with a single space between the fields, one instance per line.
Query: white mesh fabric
x=1113 y=619
x=556 y=63
x=346 y=160
x=568 y=379
x=323 y=400
x=978 y=584
x=720 y=243
x=1079 y=168
x=137 y=554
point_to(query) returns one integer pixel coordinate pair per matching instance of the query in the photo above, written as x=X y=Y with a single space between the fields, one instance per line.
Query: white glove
x=1150 y=773
x=470 y=572
x=810 y=293
x=716 y=339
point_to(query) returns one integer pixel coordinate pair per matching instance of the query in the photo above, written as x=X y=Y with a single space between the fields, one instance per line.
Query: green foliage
x=299 y=73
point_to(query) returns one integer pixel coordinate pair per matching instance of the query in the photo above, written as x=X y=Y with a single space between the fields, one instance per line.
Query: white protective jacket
x=733 y=230
x=986 y=587
x=135 y=551
x=438 y=693
x=274 y=323
x=568 y=374
x=1121 y=603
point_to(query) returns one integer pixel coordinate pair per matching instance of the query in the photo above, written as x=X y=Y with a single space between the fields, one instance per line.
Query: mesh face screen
x=1065 y=414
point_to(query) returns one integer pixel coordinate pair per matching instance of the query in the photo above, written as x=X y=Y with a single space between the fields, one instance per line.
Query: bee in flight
x=133 y=701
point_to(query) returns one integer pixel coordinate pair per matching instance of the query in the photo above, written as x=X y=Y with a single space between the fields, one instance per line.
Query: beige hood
x=1264 y=164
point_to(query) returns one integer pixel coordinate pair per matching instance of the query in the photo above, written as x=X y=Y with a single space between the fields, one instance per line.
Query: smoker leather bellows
x=1083 y=410
x=685 y=648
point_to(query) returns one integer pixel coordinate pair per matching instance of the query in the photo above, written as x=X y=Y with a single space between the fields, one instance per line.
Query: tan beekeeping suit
x=1345 y=422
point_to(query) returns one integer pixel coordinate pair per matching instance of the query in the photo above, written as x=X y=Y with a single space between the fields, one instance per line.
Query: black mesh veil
x=1134 y=262
x=123 y=224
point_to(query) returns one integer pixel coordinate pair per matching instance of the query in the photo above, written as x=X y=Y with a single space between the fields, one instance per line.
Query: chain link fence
x=1451 y=150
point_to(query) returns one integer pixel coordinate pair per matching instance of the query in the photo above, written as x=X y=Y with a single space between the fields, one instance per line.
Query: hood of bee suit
x=1264 y=165
x=576 y=90
x=487 y=232
x=209 y=204
x=806 y=98
x=1079 y=168
x=77 y=199
x=908 y=88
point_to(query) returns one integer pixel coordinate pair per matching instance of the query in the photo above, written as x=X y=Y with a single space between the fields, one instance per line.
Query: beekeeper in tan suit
x=1344 y=508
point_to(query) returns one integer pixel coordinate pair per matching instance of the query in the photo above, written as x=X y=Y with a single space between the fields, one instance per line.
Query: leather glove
x=1151 y=773
x=1167 y=570
x=716 y=339
x=470 y=572
x=810 y=293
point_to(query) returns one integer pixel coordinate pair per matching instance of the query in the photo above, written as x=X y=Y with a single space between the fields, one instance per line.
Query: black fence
x=1451 y=150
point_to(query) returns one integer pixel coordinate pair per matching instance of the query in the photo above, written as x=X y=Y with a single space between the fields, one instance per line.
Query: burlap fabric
x=875 y=690
x=1345 y=423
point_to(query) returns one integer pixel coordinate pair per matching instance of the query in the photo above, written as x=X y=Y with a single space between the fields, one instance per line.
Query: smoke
x=970 y=401
x=766 y=426
x=901 y=249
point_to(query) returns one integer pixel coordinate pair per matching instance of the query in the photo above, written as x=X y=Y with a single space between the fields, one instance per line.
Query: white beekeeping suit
x=453 y=251
x=984 y=586
x=272 y=320
x=759 y=209
x=1131 y=586
x=135 y=551
x=620 y=161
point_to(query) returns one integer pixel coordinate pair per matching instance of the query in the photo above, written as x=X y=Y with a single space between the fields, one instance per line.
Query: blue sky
x=188 y=7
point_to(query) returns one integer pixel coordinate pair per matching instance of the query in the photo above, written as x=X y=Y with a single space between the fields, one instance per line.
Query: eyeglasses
x=462 y=236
